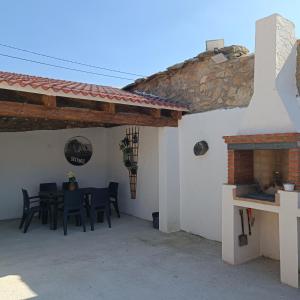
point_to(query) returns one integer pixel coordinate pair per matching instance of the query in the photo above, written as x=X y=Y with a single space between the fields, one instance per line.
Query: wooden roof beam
x=50 y=112
x=156 y=113
x=109 y=107
x=49 y=101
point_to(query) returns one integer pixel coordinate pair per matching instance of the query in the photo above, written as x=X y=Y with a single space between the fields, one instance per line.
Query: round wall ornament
x=78 y=150
x=200 y=148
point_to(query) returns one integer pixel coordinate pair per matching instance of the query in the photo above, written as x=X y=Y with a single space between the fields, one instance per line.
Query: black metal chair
x=45 y=201
x=30 y=207
x=65 y=185
x=113 y=197
x=73 y=206
x=48 y=187
x=99 y=204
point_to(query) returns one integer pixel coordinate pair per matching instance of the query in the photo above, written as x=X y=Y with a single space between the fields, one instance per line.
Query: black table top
x=54 y=194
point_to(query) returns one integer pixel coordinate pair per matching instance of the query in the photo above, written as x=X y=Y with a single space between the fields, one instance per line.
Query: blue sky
x=135 y=36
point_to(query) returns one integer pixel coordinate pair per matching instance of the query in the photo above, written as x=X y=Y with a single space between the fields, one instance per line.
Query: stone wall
x=205 y=84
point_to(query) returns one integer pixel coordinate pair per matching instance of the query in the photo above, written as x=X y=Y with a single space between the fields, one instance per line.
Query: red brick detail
x=294 y=167
x=240 y=166
x=263 y=138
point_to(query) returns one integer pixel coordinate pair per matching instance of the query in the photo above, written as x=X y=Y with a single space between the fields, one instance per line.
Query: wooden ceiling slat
x=49 y=101
x=24 y=110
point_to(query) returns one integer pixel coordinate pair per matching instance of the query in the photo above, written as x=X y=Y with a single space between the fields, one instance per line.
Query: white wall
x=30 y=158
x=201 y=177
x=269 y=234
x=169 y=180
x=147 y=182
x=273 y=107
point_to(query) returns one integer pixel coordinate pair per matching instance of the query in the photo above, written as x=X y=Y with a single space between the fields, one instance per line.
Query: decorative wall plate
x=200 y=148
x=78 y=150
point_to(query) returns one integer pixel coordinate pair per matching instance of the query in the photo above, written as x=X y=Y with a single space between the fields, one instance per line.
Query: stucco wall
x=147 y=182
x=30 y=158
x=201 y=177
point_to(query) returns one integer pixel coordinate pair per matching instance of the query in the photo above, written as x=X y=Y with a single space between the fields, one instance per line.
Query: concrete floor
x=129 y=261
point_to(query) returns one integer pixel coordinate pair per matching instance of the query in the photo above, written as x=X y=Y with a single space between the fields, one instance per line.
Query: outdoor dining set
x=71 y=201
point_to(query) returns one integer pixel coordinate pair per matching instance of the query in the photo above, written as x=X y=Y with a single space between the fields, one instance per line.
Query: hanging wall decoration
x=129 y=145
x=200 y=148
x=78 y=151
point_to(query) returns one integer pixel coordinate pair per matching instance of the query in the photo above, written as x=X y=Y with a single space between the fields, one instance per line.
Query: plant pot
x=289 y=187
x=155 y=218
x=72 y=186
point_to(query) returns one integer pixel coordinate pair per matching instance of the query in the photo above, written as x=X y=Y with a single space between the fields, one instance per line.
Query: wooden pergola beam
x=156 y=113
x=110 y=107
x=49 y=101
x=177 y=115
x=49 y=111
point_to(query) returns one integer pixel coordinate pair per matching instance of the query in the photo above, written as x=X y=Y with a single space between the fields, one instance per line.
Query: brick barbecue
x=244 y=149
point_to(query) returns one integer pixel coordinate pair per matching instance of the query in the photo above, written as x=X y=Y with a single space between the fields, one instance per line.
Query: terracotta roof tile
x=37 y=84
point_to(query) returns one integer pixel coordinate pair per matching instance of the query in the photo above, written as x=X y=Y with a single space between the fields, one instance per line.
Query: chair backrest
x=48 y=187
x=100 y=197
x=26 y=201
x=65 y=185
x=113 y=189
x=73 y=199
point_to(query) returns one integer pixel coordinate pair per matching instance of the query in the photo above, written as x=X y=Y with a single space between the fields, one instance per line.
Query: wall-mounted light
x=200 y=148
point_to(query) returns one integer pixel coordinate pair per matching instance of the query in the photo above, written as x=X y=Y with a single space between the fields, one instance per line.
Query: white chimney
x=273 y=107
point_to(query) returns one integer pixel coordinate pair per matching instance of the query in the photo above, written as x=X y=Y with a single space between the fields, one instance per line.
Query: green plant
x=128 y=156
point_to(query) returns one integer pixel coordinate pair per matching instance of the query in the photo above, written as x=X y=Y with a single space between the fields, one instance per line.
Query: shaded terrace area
x=39 y=115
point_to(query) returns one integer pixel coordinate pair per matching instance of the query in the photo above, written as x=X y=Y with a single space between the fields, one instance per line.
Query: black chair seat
x=113 y=197
x=45 y=195
x=73 y=206
x=31 y=206
x=99 y=203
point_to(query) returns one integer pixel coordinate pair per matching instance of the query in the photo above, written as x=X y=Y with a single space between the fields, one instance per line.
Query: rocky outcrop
x=204 y=84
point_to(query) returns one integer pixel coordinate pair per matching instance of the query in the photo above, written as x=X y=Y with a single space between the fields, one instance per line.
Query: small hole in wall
x=200 y=148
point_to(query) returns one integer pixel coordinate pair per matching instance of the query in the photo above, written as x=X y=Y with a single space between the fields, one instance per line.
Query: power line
x=70 y=61
x=66 y=68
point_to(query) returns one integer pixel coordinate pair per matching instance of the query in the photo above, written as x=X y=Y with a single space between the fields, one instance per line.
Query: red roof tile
x=91 y=91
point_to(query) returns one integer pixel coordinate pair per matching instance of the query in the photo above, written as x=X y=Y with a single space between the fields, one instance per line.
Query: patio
x=129 y=261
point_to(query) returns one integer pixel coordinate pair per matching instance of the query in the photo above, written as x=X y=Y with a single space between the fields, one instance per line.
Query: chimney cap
x=212 y=45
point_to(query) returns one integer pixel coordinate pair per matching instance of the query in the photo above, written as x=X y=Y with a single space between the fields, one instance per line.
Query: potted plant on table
x=72 y=181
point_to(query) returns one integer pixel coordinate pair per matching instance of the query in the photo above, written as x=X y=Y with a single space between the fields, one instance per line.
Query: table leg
x=44 y=214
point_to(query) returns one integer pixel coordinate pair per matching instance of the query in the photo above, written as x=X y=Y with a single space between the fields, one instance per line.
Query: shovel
x=243 y=239
x=249 y=220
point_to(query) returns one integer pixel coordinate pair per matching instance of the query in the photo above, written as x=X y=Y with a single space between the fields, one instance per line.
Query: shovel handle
x=248 y=217
x=242 y=220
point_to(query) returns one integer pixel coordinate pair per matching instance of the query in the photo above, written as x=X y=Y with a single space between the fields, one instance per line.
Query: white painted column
x=288 y=235
x=228 y=220
x=169 y=183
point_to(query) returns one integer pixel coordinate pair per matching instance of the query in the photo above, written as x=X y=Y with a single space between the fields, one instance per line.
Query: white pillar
x=228 y=238
x=288 y=235
x=169 y=189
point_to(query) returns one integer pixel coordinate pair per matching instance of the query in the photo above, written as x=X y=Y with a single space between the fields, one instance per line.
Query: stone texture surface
x=207 y=85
